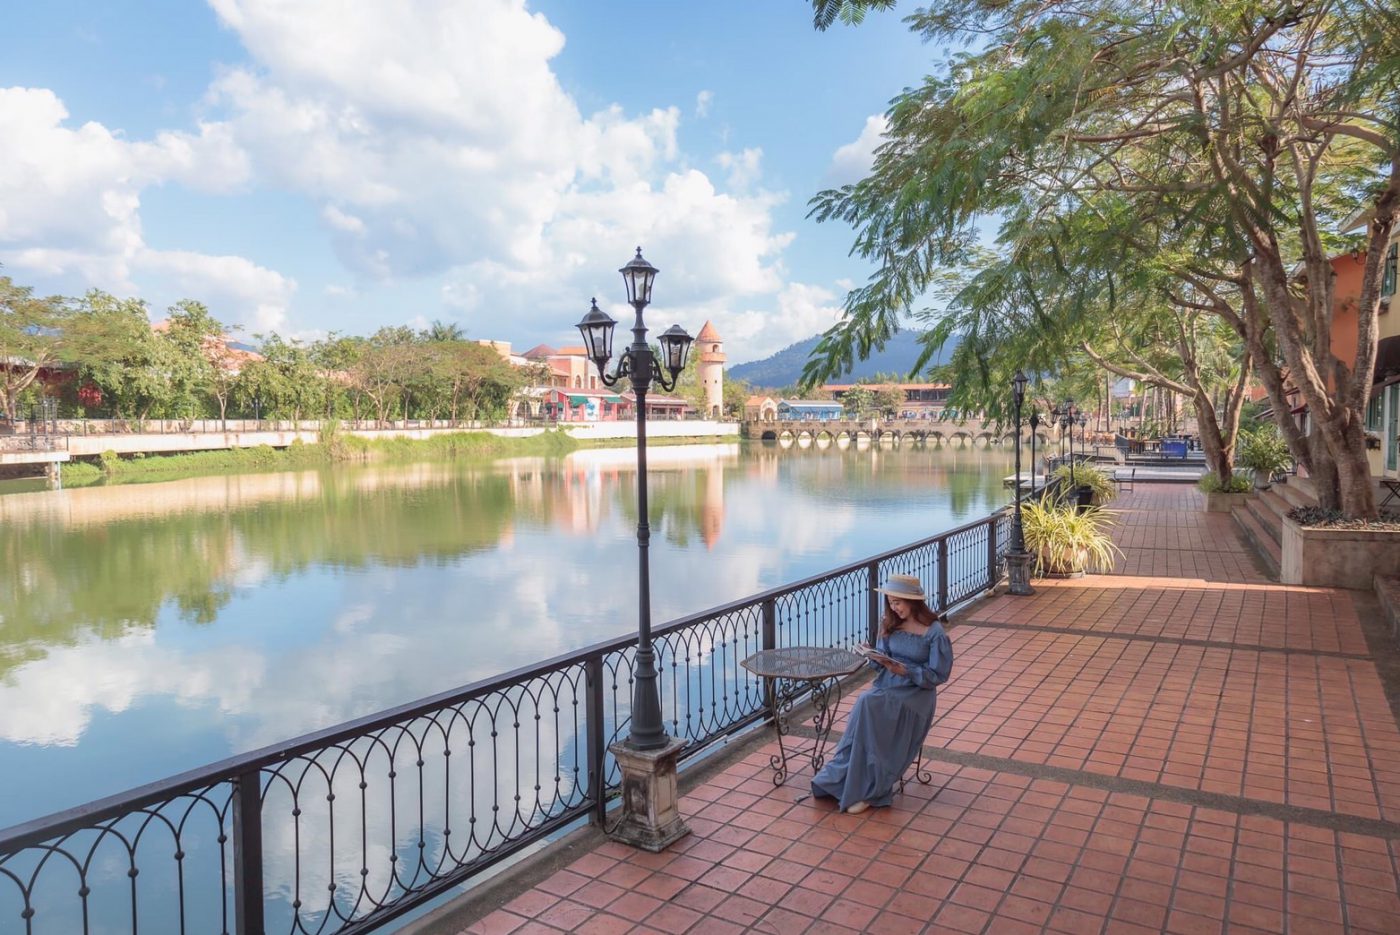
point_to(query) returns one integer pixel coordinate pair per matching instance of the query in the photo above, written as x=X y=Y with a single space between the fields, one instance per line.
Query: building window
x=1388 y=279
x=1373 y=413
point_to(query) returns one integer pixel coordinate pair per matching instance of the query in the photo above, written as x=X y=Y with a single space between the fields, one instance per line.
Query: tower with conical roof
x=710 y=369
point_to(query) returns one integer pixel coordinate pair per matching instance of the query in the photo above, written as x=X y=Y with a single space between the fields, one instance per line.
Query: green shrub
x=1210 y=483
x=1064 y=539
x=1264 y=451
x=1086 y=475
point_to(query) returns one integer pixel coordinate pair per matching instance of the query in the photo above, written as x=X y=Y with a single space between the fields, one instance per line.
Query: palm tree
x=444 y=331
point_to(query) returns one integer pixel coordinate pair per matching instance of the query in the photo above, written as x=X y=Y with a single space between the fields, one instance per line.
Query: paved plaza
x=1183 y=746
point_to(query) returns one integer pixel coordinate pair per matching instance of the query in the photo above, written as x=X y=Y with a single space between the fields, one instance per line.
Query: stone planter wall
x=1337 y=558
x=1225 y=502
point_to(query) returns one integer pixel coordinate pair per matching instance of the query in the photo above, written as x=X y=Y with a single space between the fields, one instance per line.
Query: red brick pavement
x=1193 y=751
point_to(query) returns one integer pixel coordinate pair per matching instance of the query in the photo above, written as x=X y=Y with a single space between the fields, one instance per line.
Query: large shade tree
x=31 y=339
x=1269 y=122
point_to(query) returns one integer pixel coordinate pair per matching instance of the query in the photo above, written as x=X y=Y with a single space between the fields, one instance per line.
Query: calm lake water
x=146 y=629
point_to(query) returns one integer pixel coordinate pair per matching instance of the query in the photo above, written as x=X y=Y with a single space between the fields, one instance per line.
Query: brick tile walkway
x=1181 y=747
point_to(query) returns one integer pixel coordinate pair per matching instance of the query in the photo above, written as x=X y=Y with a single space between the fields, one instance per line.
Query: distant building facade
x=921 y=400
x=808 y=410
x=760 y=409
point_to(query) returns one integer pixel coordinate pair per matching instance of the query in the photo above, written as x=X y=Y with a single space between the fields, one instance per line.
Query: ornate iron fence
x=345 y=829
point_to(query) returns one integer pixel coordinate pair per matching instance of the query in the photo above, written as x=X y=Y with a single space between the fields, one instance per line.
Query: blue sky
x=309 y=166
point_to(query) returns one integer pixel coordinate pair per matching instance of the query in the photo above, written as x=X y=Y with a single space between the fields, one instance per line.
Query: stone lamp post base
x=1018 y=574
x=651 y=817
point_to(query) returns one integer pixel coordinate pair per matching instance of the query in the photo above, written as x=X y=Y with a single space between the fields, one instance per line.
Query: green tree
x=31 y=338
x=386 y=369
x=335 y=357
x=200 y=365
x=285 y=383
x=116 y=349
x=886 y=397
x=857 y=401
x=736 y=394
x=444 y=331
x=1264 y=124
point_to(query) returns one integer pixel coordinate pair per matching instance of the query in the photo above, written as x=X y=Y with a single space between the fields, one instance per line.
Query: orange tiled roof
x=841 y=387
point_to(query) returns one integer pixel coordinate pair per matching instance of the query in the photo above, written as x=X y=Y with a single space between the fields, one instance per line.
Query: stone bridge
x=922 y=432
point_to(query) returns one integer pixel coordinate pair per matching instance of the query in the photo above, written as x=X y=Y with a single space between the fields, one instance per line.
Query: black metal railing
x=342 y=830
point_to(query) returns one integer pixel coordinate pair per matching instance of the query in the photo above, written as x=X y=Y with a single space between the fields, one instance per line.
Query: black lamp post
x=1017 y=558
x=1067 y=425
x=640 y=364
x=1035 y=427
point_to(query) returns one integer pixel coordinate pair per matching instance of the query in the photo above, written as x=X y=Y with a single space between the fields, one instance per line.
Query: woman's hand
x=895 y=667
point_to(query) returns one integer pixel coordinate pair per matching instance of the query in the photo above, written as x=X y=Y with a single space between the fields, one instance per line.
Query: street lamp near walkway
x=1067 y=413
x=647 y=758
x=1017 y=558
x=1035 y=427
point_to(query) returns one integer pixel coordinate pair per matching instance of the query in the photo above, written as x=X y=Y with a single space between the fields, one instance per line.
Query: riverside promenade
x=1183 y=746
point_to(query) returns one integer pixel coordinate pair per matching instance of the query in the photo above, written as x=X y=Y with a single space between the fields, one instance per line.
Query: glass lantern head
x=597 y=330
x=1018 y=388
x=675 y=346
x=638 y=274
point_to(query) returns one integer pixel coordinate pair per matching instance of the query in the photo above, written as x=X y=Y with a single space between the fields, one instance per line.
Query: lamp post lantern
x=647 y=757
x=1017 y=558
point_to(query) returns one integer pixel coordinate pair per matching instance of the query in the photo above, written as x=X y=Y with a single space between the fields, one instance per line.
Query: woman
x=888 y=723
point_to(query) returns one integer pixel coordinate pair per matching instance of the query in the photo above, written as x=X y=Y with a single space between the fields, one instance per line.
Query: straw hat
x=904 y=587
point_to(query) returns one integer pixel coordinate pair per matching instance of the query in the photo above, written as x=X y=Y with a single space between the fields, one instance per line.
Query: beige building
x=710 y=369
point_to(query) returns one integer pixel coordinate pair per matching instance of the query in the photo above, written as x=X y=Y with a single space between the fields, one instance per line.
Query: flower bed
x=1333 y=552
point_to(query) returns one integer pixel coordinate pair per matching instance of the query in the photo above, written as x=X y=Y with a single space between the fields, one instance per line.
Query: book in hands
x=871 y=653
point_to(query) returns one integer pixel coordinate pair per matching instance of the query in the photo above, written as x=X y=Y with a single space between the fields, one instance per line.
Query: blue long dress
x=888 y=723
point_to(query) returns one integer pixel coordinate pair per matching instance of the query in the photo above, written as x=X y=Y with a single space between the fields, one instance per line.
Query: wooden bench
x=1123 y=478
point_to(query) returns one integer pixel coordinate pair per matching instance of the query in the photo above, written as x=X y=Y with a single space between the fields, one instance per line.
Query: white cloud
x=434 y=140
x=743 y=167
x=803 y=310
x=440 y=143
x=341 y=221
x=70 y=207
x=852 y=162
x=261 y=296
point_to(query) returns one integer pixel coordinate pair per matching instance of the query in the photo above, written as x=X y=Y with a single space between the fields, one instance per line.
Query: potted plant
x=1067 y=542
x=1097 y=483
x=1264 y=452
x=1224 y=497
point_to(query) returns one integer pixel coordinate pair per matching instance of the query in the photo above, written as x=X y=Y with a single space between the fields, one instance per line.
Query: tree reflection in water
x=195 y=618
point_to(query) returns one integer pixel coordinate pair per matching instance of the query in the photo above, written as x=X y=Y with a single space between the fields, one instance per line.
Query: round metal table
x=792 y=673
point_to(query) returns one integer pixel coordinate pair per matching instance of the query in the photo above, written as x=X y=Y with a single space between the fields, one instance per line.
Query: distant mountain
x=785 y=367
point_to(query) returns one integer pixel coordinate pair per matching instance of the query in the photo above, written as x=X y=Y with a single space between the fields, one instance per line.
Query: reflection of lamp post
x=648 y=756
x=1017 y=558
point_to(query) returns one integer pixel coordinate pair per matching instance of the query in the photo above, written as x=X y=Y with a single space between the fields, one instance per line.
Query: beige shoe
x=857 y=808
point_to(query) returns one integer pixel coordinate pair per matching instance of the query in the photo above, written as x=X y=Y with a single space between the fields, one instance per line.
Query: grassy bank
x=336 y=448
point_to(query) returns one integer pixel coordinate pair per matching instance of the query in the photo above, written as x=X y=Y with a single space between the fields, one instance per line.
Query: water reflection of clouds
x=50 y=701
x=332 y=645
